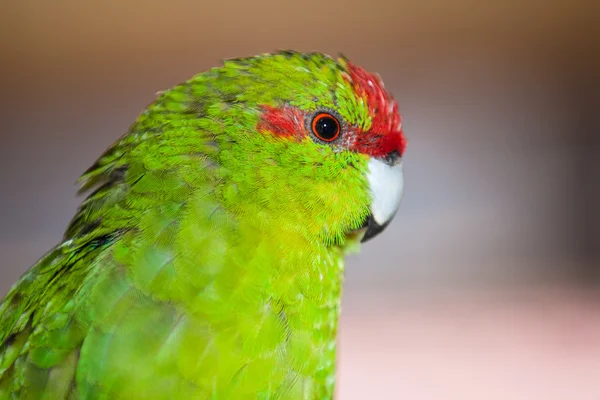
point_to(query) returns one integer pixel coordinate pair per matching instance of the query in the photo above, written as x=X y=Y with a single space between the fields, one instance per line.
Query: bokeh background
x=486 y=284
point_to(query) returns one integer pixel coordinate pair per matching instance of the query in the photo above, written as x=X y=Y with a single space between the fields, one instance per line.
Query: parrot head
x=288 y=142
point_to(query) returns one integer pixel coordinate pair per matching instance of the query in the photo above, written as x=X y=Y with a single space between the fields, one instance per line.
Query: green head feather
x=207 y=132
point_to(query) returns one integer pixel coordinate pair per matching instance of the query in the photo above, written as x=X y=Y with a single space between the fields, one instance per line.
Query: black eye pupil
x=326 y=127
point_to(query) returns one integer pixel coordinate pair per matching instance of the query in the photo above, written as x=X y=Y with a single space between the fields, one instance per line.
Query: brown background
x=485 y=285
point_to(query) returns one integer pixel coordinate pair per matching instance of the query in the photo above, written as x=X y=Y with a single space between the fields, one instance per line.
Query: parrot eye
x=326 y=127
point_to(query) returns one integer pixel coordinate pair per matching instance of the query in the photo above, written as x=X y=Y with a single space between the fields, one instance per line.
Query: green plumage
x=207 y=261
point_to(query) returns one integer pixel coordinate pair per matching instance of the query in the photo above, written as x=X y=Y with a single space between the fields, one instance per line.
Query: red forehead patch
x=385 y=134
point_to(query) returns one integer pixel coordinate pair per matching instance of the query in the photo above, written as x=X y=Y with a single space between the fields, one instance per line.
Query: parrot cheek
x=386 y=183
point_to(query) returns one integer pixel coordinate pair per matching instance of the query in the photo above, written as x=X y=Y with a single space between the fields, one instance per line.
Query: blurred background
x=486 y=284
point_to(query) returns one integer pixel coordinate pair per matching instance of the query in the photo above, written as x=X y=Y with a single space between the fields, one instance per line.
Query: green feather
x=207 y=261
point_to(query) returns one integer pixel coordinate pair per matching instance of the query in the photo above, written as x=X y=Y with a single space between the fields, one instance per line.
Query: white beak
x=386 y=182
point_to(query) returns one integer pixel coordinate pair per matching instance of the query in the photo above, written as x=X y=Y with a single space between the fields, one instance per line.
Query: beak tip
x=372 y=228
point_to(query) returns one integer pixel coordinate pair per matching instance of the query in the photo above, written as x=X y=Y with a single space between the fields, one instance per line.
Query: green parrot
x=207 y=260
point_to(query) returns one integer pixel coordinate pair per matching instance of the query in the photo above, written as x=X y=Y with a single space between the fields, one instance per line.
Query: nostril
x=392 y=157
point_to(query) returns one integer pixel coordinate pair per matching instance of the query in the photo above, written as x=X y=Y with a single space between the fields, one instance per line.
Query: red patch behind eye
x=385 y=134
x=285 y=121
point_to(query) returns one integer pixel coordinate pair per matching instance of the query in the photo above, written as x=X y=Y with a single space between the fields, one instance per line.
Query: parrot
x=207 y=258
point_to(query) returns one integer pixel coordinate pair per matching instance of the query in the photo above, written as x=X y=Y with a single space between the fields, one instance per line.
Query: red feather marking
x=284 y=121
x=385 y=134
